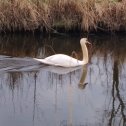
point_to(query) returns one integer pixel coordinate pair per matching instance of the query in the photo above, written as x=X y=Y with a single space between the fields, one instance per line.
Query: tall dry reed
x=112 y=16
x=84 y=15
x=24 y=15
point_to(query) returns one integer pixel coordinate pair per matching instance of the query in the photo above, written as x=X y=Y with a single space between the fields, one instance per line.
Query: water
x=34 y=94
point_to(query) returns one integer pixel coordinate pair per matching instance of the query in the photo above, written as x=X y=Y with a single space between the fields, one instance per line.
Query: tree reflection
x=34 y=98
x=112 y=56
x=116 y=94
x=36 y=46
x=14 y=78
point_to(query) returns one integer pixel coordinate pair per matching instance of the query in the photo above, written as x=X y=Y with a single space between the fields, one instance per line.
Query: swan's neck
x=85 y=53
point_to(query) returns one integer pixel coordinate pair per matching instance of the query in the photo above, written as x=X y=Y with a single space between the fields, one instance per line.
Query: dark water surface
x=34 y=94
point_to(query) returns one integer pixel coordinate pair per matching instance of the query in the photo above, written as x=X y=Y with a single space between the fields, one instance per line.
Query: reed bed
x=51 y=15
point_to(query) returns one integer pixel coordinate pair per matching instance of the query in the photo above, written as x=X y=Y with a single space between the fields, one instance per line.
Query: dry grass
x=84 y=15
x=65 y=13
x=24 y=15
x=112 y=15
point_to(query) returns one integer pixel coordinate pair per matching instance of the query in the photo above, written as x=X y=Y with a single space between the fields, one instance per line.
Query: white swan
x=67 y=61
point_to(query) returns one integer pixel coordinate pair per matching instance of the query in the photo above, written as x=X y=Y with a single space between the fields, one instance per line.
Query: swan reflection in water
x=63 y=71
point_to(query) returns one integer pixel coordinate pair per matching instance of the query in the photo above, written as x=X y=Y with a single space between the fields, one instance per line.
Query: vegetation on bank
x=51 y=15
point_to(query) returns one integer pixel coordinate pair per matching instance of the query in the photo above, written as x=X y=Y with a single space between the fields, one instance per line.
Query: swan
x=65 y=60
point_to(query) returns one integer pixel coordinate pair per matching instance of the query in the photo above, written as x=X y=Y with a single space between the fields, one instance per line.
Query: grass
x=51 y=15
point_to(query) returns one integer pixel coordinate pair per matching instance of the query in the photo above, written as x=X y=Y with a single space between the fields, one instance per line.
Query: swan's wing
x=61 y=60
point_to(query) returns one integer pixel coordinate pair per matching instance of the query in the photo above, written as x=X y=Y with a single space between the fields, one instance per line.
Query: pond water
x=34 y=94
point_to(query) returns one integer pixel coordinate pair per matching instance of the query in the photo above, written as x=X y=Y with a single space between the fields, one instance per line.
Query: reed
x=65 y=14
x=85 y=15
x=112 y=16
x=24 y=15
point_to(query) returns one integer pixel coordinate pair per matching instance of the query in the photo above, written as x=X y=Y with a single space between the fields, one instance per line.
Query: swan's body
x=67 y=61
x=61 y=60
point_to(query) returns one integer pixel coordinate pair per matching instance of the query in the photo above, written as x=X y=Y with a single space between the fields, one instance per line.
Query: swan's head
x=83 y=41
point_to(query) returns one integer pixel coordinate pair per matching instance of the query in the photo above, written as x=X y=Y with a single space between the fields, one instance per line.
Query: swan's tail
x=40 y=60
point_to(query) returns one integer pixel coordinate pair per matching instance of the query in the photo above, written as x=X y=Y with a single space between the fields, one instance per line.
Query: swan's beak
x=89 y=44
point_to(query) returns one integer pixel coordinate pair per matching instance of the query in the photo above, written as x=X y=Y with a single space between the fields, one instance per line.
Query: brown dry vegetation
x=85 y=15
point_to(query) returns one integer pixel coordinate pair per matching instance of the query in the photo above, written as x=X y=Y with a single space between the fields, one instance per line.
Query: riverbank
x=62 y=15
